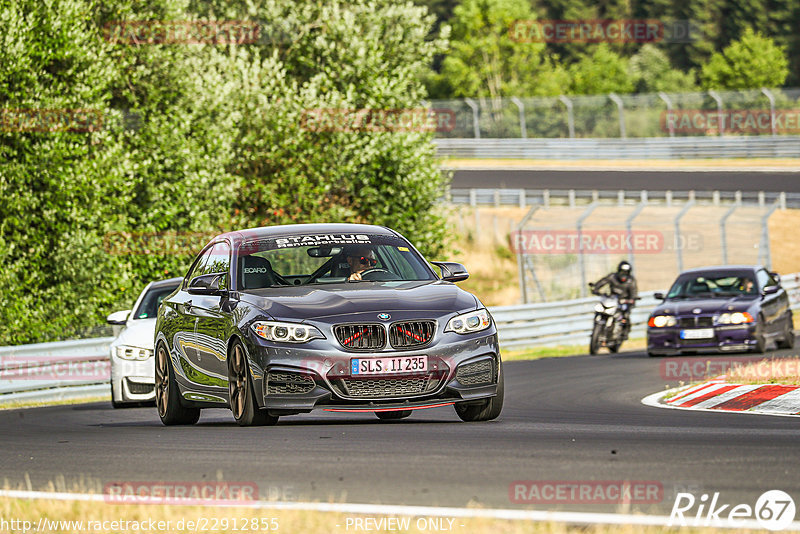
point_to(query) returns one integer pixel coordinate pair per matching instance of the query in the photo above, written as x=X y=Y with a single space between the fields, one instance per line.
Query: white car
x=132 y=364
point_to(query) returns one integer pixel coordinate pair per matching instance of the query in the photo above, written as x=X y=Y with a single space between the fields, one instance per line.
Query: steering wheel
x=373 y=270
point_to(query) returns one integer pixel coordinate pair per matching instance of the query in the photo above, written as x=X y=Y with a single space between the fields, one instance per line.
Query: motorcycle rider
x=621 y=284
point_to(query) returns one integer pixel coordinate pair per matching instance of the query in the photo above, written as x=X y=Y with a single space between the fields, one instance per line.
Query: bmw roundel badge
x=384 y=316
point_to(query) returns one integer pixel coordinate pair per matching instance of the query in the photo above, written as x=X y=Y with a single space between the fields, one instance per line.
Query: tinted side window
x=219 y=261
x=764 y=279
x=199 y=265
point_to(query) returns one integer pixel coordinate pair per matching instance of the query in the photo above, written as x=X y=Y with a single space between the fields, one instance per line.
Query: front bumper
x=727 y=338
x=296 y=380
x=133 y=380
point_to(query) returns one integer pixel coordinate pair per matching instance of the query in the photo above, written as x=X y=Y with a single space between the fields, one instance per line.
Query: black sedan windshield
x=327 y=259
x=707 y=285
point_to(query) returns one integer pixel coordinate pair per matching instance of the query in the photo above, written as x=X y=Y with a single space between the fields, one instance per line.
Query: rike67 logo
x=774 y=510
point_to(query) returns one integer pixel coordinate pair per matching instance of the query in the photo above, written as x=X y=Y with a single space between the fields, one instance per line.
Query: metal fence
x=640 y=148
x=769 y=112
x=45 y=372
x=563 y=239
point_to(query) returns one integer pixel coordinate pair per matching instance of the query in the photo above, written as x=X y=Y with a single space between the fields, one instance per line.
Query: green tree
x=601 y=72
x=491 y=55
x=753 y=61
x=651 y=72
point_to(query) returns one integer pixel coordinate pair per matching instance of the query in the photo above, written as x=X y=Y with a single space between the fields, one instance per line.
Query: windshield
x=328 y=259
x=148 y=308
x=710 y=285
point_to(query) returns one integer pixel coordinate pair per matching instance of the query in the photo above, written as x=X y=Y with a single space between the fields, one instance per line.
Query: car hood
x=313 y=302
x=137 y=333
x=706 y=305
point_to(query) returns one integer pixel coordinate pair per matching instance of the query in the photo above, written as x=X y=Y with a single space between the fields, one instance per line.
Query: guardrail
x=44 y=372
x=569 y=322
x=631 y=148
x=499 y=197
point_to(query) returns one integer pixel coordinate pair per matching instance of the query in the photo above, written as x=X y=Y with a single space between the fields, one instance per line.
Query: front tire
x=241 y=392
x=761 y=342
x=168 y=400
x=787 y=342
x=594 y=342
x=393 y=416
x=488 y=409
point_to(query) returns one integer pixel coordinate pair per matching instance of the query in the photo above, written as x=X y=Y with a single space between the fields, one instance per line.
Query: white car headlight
x=466 y=323
x=132 y=353
x=660 y=321
x=285 y=332
x=735 y=318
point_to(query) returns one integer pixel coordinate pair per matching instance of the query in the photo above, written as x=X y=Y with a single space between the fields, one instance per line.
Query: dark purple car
x=721 y=309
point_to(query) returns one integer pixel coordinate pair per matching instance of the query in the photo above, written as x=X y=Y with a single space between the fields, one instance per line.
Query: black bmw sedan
x=339 y=317
x=721 y=309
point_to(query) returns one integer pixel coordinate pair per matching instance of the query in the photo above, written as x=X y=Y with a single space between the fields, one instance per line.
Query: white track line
x=583 y=518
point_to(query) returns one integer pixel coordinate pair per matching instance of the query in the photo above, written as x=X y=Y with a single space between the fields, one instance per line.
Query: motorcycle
x=611 y=325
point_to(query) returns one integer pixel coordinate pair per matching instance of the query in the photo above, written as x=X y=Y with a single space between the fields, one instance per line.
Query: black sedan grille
x=476 y=373
x=361 y=336
x=411 y=333
x=381 y=388
x=696 y=322
x=285 y=383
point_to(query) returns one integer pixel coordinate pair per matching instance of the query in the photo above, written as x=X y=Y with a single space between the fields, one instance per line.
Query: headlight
x=467 y=323
x=660 y=321
x=735 y=318
x=132 y=353
x=285 y=332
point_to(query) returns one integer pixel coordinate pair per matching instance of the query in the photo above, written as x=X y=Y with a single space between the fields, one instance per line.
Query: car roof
x=722 y=268
x=167 y=282
x=294 y=229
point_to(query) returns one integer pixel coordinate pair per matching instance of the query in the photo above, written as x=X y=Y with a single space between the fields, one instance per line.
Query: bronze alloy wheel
x=237 y=384
x=162 y=381
x=171 y=409
x=242 y=395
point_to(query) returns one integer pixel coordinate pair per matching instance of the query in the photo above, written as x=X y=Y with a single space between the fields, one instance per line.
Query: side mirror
x=775 y=276
x=659 y=296
x=207 y=284
x=771 y=290
x=451 y=271
x=118 y=318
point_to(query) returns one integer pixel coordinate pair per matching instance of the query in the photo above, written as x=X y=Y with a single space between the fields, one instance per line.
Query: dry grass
x=177 y=518
x=483 y=247
x=35 y=404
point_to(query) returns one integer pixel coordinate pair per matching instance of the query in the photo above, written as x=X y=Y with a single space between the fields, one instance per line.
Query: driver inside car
x=360 y=259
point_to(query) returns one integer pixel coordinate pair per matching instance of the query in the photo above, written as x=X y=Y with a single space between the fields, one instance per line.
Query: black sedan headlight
x=281 y=332
x=467 y=323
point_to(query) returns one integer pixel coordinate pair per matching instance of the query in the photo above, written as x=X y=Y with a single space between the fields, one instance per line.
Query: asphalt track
x=565 y=419
x=652 y=180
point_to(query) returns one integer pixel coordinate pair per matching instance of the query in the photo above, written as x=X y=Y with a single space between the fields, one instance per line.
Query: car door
x=182 y=320
x=210 y=322
x=770 y=302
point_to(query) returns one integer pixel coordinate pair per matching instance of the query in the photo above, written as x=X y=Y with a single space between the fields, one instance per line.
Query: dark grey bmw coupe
x=340 y=317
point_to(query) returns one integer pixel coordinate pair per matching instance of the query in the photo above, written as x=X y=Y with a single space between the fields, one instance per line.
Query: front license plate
x=388 y=366
x=698 y=333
